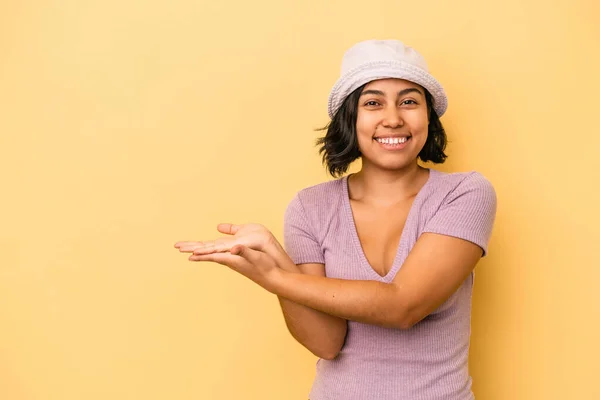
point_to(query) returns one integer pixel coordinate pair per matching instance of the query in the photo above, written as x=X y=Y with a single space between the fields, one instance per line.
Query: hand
x=251 y=250
x=256 y=265
x=254 y=236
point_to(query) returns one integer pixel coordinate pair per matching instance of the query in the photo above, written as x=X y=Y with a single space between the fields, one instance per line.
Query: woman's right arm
x=322 y=334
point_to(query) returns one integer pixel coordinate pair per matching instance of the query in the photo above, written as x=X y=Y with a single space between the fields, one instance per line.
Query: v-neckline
x=401 y=243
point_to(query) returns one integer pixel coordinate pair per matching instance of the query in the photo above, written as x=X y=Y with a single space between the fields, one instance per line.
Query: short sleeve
x=468 y=212
x=299 y=241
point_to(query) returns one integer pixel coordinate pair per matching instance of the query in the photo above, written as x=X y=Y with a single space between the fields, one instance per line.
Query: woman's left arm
x=433 y=271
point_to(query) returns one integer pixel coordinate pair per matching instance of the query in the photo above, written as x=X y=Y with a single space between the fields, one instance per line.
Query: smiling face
x=392 y=123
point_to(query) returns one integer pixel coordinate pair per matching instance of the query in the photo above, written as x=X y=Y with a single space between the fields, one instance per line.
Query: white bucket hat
x=380 y=59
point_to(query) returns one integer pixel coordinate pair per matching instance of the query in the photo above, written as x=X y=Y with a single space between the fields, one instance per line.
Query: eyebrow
x=400 y=93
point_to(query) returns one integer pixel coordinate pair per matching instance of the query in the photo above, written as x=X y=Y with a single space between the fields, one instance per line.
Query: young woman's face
x=392 y=123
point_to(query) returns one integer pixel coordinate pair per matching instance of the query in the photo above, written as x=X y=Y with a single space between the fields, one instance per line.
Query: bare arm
x=434 y=269
x=321 y=333
x=436 y=266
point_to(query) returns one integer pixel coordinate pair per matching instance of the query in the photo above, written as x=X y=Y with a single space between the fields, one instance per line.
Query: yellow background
x=128 y=125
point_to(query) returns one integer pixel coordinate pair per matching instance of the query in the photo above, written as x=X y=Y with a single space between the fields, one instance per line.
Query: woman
x=377 y=272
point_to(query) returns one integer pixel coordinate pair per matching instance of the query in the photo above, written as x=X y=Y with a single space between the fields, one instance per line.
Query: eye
x=372 y=103
x=408 y=102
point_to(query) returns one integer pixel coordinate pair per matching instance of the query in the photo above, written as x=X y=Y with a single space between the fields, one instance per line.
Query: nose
x=392 y=117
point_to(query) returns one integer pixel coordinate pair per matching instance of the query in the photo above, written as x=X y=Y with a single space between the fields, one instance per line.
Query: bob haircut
x=339 y=146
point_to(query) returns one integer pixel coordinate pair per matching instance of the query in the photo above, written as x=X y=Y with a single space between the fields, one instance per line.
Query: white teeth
x=392 y=140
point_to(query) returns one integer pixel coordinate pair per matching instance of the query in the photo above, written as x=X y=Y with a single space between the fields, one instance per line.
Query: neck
x=386 y=187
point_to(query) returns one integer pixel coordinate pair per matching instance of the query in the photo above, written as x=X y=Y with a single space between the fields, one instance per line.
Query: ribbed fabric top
x=430 y=360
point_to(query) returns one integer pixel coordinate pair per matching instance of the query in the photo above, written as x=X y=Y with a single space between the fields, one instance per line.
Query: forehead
x=391 y=84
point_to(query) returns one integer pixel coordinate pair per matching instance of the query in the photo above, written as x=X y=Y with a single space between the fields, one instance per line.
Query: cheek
x=420 y=124
x=365 y=125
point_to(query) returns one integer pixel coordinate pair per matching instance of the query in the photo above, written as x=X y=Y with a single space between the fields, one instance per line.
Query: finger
x=232 y=261
x=214 y=246
x=252 y=256
x=206 y=247
x=185 y=243
x=215 y=257
x=191 y=246
x=229 y=229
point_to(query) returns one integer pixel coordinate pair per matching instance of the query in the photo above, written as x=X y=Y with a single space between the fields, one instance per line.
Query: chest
x=379 y=231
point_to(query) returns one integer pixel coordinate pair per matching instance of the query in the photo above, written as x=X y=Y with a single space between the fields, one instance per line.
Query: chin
x=398 y=167
x=395 y=165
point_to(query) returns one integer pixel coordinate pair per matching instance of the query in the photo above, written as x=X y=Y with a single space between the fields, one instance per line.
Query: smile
x=395 y=140
x=393 y=143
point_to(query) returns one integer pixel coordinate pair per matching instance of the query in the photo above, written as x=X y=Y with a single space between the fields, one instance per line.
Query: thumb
x=249 y=254
x=229 y=229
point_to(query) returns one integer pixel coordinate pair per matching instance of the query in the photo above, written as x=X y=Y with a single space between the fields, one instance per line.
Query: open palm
x=254 y=236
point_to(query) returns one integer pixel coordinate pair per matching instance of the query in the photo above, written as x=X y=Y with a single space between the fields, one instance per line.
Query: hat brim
x=368 y=72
